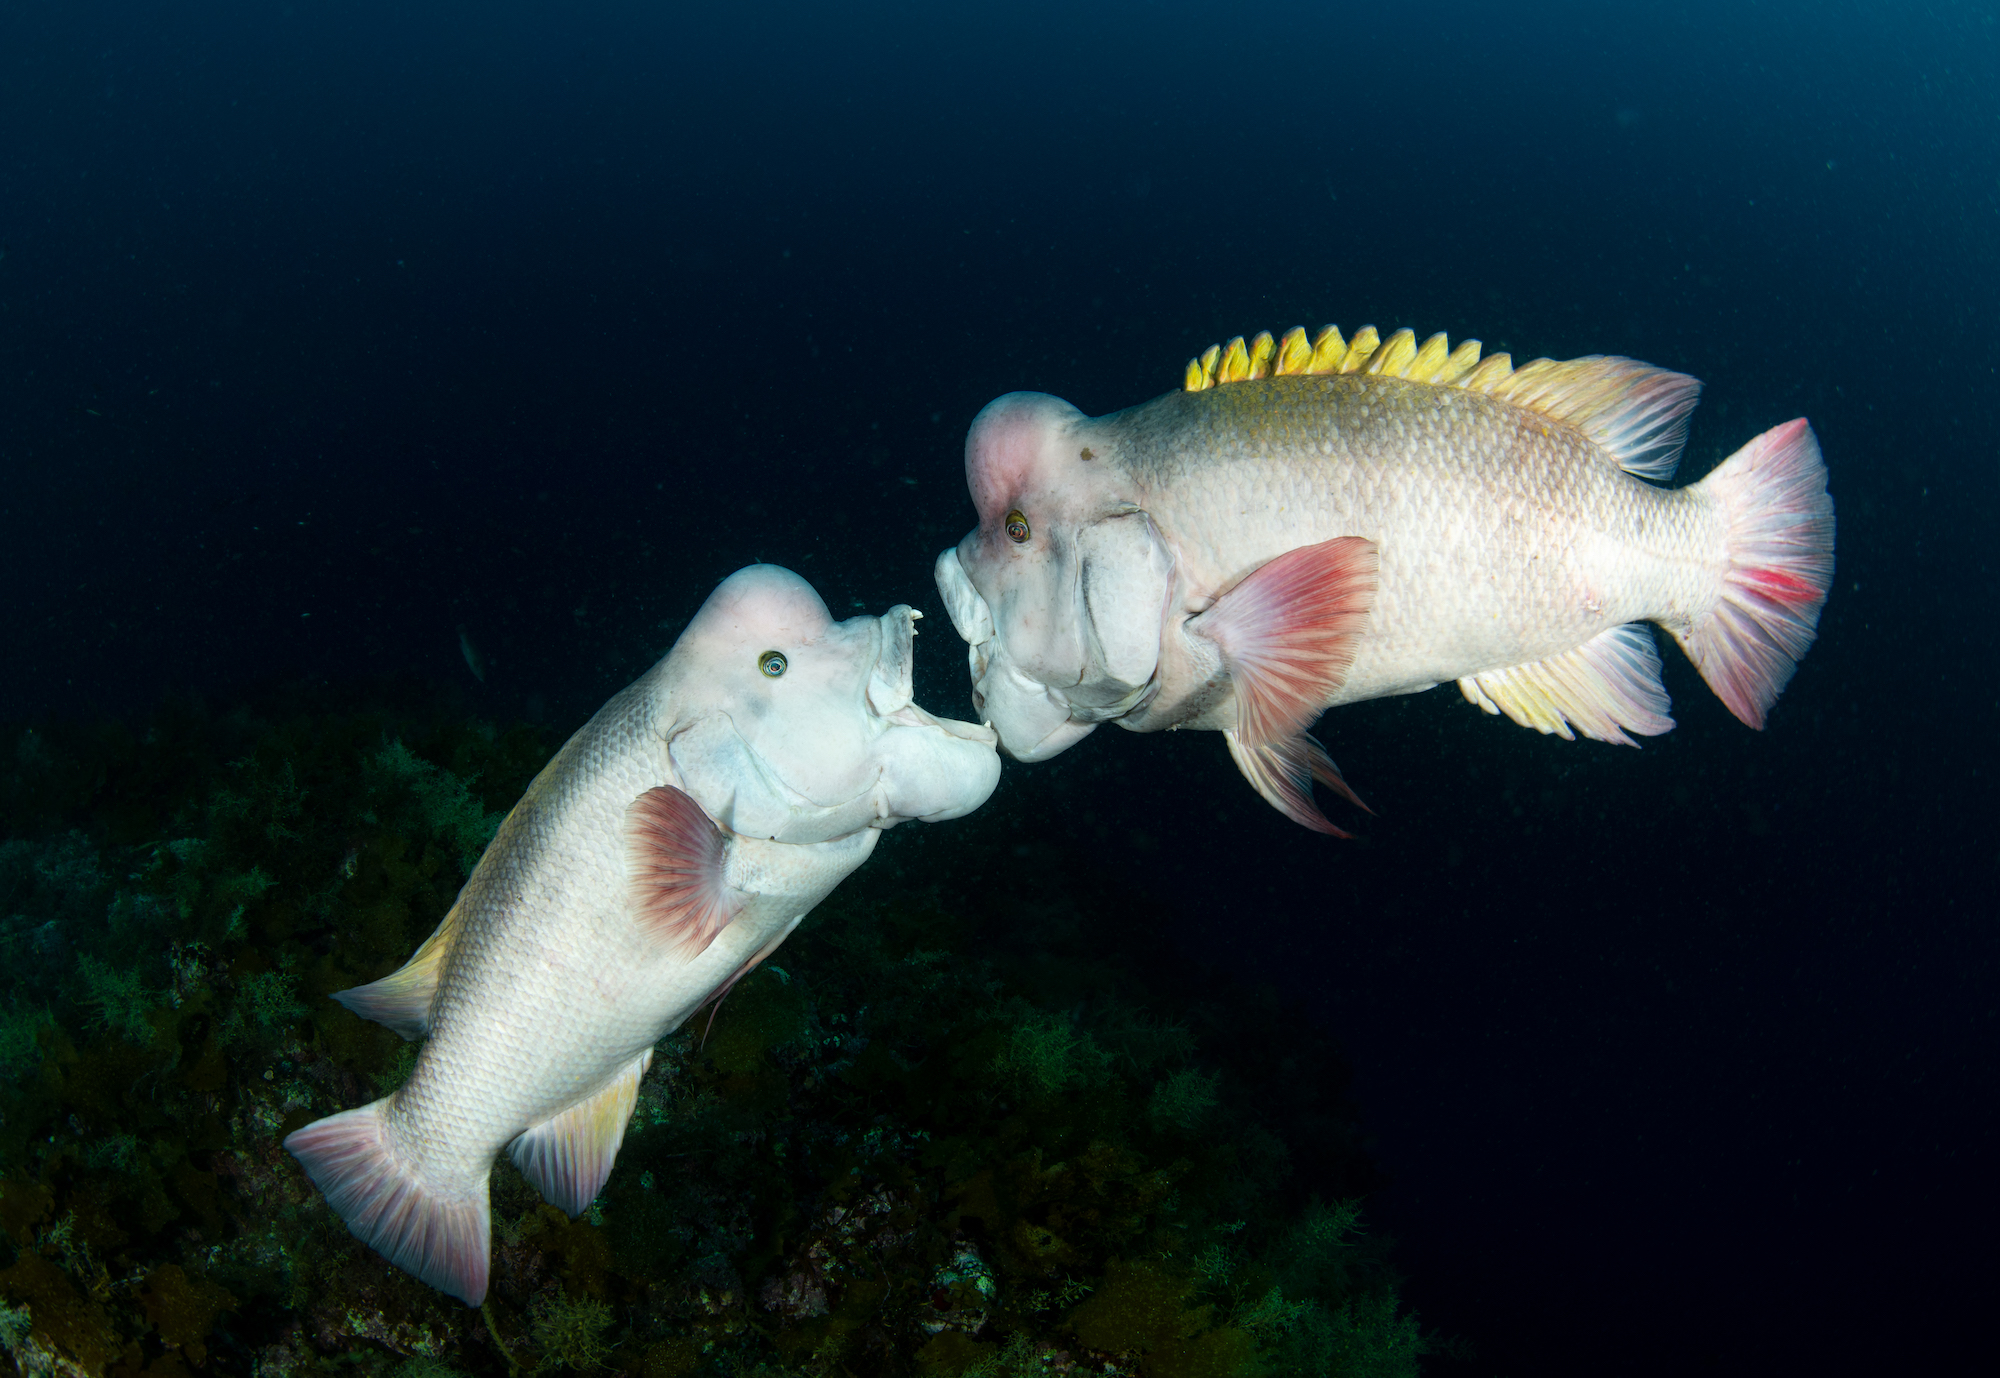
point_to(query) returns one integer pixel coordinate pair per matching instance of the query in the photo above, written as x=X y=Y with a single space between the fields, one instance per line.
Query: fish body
x=1242 y=555
x=673 y=843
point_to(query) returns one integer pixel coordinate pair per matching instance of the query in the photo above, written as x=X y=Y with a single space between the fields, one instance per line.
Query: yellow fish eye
x=772 y=663
x=1017 y=527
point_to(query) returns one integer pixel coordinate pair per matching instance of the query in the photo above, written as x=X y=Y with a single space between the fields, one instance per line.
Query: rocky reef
x=952 y=1128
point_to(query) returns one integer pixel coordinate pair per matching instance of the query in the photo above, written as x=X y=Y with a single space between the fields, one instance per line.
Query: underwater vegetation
x=934 y=1136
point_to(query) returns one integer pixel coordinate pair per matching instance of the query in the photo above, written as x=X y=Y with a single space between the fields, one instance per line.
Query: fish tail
x=1778 y=521
x=435 y=1231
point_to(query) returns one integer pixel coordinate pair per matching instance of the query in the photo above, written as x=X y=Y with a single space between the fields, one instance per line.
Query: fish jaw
x=1031 y=719
x=1100 y=615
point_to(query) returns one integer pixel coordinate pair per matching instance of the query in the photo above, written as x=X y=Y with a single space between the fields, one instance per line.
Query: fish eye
x=1017 y=527
x=772 y=663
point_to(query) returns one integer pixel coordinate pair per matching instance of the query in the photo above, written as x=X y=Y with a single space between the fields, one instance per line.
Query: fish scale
x=1331 y=522
x=670 y=846
x=1498 y=530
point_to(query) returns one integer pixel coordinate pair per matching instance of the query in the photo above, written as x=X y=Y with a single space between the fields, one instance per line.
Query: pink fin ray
x=438 y=1235
x=674 y=856
x=1607 y=685
x=1283 y=772
x=1772 y=494
x=1287 y=632
x=569 y=1156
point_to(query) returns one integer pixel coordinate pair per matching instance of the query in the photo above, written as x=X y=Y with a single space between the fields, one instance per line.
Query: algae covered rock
x=936 y=1138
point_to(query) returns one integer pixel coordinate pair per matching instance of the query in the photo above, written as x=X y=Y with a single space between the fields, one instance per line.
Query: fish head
x=1062 y=589
x=787 y=725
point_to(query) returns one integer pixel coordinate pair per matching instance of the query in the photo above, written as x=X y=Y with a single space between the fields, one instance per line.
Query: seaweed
x=936 y=1137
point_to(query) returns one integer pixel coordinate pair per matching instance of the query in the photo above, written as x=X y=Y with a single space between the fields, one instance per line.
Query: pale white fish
x=1311 y=523
x=671 y=845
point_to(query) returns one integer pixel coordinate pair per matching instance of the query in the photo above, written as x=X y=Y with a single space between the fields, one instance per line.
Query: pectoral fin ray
x=674 y=858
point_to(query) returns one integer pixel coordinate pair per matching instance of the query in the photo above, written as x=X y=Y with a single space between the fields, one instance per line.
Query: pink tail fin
x=439 y=1236
x=1772 y=494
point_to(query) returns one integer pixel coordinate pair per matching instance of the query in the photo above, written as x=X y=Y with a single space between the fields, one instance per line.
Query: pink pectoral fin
x=674 y=856
x=1288 y=631
x=1284 y=772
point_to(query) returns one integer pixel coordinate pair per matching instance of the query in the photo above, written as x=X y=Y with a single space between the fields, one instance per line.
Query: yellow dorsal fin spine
x=1359 y=348
x=1395 y=355
x=1235 y=365
x=1431 y=357
x=1490 y=371
x=1261 y=350
x=1293 y=353
x=1328 y=350
x=1459 y=363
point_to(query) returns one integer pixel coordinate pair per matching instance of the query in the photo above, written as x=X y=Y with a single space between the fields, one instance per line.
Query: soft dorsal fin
x=674 y=857
x=1634 y=412
x=402 y=999
x=569 y=1155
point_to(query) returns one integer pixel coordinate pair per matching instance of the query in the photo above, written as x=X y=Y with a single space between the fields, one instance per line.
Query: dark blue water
x=327 y=331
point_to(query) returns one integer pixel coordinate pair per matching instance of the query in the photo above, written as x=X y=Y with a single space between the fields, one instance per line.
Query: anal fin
x=568 y=1156
x=1603 y=688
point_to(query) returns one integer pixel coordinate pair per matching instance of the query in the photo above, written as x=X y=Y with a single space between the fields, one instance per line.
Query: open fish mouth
x=891 y=687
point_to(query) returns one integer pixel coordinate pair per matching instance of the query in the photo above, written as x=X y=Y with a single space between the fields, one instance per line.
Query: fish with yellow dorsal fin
x=1375 y=517
x=669 y=847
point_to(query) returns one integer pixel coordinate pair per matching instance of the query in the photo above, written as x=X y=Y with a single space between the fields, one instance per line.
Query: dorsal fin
x=1634 y=412
x=402 y=999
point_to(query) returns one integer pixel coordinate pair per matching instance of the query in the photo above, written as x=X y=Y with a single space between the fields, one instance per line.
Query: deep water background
x=327 y=332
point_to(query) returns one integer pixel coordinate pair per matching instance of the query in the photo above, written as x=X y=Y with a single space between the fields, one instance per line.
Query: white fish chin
x=1034 y=721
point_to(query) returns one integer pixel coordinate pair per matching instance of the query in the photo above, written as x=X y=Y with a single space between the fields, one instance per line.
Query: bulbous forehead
x=1006 y=449
x=767 y=604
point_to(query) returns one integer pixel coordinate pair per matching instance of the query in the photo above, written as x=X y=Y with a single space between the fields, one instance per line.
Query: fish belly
x=1503 y=537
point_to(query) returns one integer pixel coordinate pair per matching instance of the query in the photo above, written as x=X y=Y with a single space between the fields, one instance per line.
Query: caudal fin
x=1779 y=544
x=437 y=1234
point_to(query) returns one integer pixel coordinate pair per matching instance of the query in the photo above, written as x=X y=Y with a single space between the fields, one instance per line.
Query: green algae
x=934 y=1140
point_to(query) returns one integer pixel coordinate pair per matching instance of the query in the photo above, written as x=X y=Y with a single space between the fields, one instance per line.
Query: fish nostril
x=978 y=702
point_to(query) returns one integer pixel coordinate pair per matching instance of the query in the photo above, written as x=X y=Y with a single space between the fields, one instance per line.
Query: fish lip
x=891 y=678
x=910 y=715
x=971 y=616
x=892 y=696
